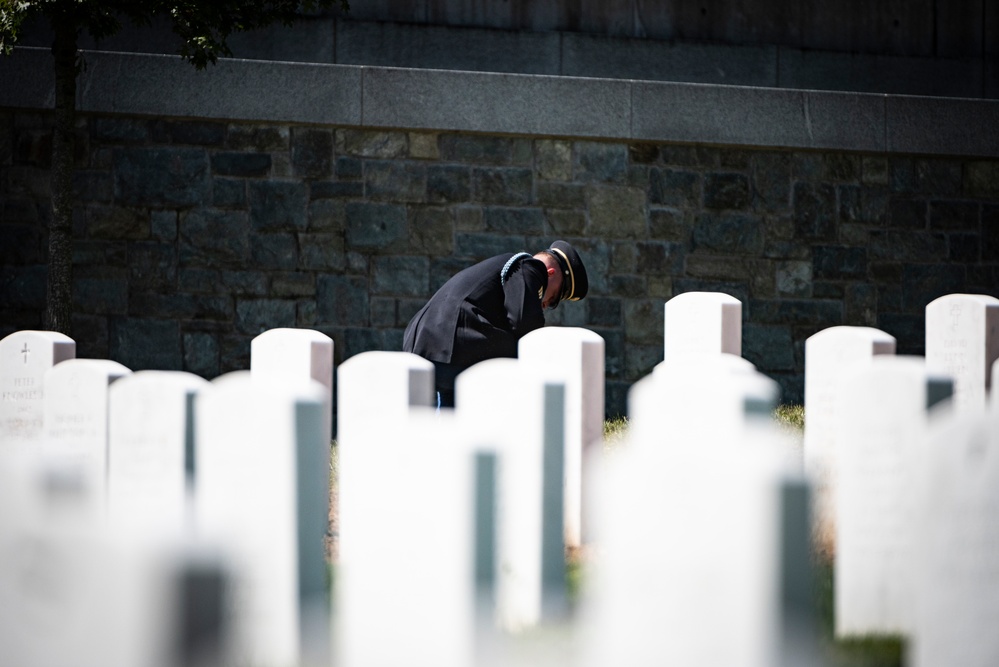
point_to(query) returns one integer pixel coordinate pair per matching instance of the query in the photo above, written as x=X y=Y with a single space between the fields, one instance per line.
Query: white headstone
x=689 y=554
x=962 y=340
x=262 y=489
x=705 y=399
x=151 y=450
x=294 y=354
x=24 y=358
x=405 y=587
x=575 y=357
x=957 y=554
x=702 y=323
x=76 y=420
x=510 y=405
x=882 y=414
x=829 y=354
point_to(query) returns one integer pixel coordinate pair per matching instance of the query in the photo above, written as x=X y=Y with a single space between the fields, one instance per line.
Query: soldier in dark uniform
x=483 y=310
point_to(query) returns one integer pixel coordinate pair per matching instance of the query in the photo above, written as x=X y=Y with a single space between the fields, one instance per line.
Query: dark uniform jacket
x=480 y=314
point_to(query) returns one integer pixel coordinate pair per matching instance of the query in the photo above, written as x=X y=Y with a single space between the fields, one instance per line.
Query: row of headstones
x=680 y=473
x=154 y=518
x=902 y=451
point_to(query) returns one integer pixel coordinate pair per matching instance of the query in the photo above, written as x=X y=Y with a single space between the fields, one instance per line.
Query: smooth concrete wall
x=950 y=72
x=447 y=100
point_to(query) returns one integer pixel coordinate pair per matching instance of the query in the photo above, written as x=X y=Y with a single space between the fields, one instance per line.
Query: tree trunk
x=59 y=301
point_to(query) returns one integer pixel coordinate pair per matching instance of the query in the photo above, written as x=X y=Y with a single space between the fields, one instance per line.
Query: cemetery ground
x=878 y=651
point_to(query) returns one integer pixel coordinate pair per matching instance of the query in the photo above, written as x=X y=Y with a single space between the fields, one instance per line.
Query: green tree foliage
x=204 y=27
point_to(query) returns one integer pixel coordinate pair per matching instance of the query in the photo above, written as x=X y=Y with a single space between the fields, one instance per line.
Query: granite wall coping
x=515 y=104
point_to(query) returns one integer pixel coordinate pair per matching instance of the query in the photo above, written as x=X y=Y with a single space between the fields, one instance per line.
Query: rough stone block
x=146 y=344
x=382 y=311
x=796 y=311
x=553 y=159
x=277 y=250
x=152 y=266
x=277 y=205
x=907 y=213
x=342 y=300
x=715 y=267
x=321 y=252
x=403 y=276
x=255 y=316
x=293 y=284
x=566 y=223
x=839 y=262
x=674 y=188
x=423 y=146
x=728 y=232
x=643 y=322
x=241 y=164
x=201 y=354
x=942 y=177
x=981 y=178
x=448 y=184
x=657 y=257
x=381 y=226
x=336 y=189
x=195 y=133
x=106 y=222
x=431 y=230
x=197 y=280
x=312 y=152
x=954 y=216
x=726 y=191
x=102 y=292
x=924 y=283
x=768 y=346
x=481 y=246
x=395 y=181
x=503 y=186
x=371 y=143
x=600 y=162
x=616 y=211
x=92 y=186
x=349 y=168
x=212 y=236
x=561 y=195
x=228 y=193
x=861 y=305
x=814 y=211
x=245 y=283
x=514 y=220
x=990 y=233
x=262 y=138
x=670 y=225
x=172 y=177
x=794 y=278
x=119 y=130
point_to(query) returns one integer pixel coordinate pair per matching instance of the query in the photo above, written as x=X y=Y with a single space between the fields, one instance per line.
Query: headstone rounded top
x=170 y=378
x=864 y=333
x=718 y=297
x=111 y=368
x=564 y=333
x=984 y=299
x=52 y=336
x=289 y=332
x=381 y=358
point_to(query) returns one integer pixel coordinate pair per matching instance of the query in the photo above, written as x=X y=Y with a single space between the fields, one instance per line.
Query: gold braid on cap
x=572 y=278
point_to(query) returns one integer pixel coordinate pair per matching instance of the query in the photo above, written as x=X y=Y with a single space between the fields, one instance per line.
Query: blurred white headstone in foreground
x=76 y=421
x=829 y=355
x=702 y=323
x=962 y=341
x=294 y=355
x=689 y=553
x=881 y=419
x=405 y=585
x=262 y=490
x=151 y=450
x=957 y=553
x=24 y=358
x=511 y=405
x=575 y=357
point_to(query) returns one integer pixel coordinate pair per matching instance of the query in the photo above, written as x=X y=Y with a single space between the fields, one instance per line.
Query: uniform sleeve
x=523 y=290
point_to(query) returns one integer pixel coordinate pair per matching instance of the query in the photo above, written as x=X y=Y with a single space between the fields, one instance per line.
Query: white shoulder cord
x=509 y=263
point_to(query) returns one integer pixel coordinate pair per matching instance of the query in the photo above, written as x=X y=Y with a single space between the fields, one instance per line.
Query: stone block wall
x=192 y=237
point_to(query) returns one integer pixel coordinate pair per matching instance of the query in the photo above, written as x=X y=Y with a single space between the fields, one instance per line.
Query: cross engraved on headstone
x=955 y=313
x=25 y=352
